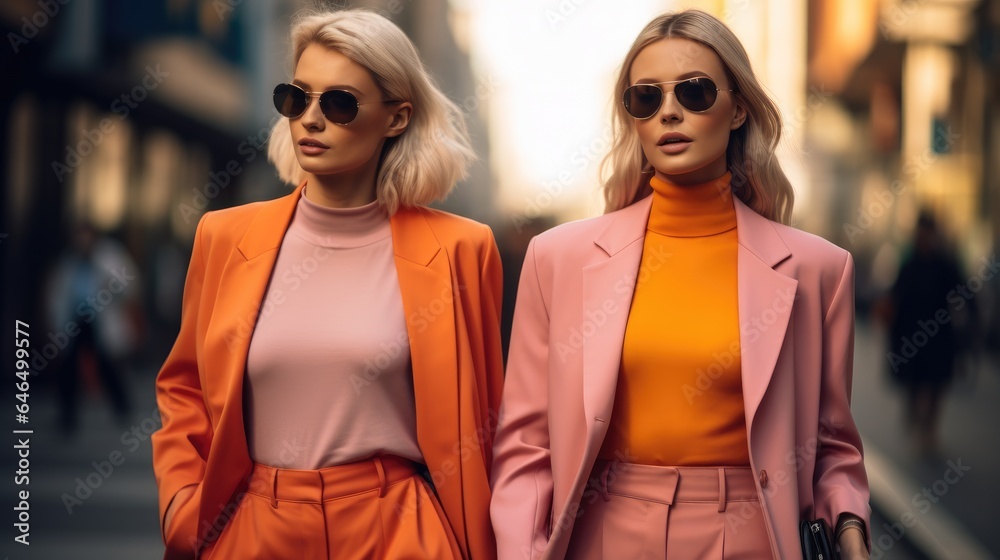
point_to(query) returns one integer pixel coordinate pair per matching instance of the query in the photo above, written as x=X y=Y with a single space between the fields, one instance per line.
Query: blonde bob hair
x=757 y=178
x=423 y=163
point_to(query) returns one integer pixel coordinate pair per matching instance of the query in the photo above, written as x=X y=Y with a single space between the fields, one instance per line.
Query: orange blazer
x=450 y=279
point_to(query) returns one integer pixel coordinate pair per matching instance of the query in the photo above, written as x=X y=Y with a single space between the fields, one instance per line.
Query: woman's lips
x=673 y=143
x=312 y=147
x=674 y=147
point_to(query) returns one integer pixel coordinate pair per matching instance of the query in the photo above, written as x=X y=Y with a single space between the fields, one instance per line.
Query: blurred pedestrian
x=341 y=341
x=922 y=318
x=678 y=384
x=92 y=307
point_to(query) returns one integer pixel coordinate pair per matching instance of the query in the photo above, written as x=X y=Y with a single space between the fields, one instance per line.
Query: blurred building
x=440 y=34
x=909 y=119
x=137 y=117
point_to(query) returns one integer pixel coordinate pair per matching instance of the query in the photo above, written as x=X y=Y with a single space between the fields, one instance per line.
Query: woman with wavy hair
x=331 y=391
x=678 y=382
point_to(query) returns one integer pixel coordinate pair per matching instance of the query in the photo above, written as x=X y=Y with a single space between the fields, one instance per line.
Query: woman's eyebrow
x=306 y=86
x=684 y=76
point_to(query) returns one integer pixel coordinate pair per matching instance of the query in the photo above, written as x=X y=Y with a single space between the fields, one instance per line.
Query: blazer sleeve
x=840 y=483
x=522 y=473
x=181 y=445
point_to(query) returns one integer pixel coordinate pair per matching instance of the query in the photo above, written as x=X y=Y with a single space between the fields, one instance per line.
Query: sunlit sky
x=551 y=65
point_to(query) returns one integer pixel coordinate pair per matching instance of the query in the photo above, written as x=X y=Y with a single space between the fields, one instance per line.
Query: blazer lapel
x=425 y=281
x=607 y=297
x=245 y=278
x=765 y=302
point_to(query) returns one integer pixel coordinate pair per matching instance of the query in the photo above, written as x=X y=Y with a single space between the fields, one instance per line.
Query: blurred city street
x=83 y=505
x=125 y=122
x=900 y=476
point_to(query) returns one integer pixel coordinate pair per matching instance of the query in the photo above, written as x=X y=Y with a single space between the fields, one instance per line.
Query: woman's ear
x=740 y=116
x=400 y=119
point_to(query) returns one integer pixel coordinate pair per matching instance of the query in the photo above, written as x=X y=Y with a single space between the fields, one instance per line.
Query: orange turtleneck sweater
x=680 y=397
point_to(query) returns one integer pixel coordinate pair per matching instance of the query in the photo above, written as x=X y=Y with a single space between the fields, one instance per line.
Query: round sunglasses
x=694 y=94
x=338 y=106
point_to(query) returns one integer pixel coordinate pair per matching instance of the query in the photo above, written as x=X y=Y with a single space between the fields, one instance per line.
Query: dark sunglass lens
x=696 y=95
x=339 y=106
x=289 y=100
x=641 y=101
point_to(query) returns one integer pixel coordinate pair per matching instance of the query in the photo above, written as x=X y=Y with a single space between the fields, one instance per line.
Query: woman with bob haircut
x=338 y=364
x=679 y=375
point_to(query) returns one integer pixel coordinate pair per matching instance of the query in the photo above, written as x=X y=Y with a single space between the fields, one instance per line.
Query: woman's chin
x=312 y=167
x=687 y=168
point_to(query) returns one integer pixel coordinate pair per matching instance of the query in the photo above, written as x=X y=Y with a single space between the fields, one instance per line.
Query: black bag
x=816 y=541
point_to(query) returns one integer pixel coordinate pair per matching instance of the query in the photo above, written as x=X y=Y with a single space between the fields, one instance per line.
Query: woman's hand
x=852 y=544
x=183 y=495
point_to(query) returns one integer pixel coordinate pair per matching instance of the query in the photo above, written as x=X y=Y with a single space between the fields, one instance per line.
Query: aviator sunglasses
x=338 y=106
x=695 y=94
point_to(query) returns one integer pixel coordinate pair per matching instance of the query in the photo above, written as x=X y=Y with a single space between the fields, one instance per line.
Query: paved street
x=117 y=519
x=84 y=511
x=959 y=482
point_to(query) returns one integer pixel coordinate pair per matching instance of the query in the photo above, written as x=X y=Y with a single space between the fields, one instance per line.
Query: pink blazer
x=796 y=311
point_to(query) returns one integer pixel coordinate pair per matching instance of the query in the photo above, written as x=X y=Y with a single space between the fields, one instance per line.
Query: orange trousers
x=654 y=513
x=378 y=508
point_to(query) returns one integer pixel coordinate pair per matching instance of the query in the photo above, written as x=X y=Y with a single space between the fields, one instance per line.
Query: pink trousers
x=646 y=512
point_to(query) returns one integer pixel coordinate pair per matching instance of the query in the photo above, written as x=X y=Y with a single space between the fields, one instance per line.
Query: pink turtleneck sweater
x=328 y=377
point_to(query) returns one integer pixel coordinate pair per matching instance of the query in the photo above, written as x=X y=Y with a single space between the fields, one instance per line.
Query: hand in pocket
x=181 y=508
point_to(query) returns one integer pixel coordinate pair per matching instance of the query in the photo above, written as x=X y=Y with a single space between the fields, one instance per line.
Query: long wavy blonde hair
x=757 y=176
x=423 y=163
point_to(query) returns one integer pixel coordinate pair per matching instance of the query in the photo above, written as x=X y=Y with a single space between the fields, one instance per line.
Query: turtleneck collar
x=340 y=228
x=692 y=210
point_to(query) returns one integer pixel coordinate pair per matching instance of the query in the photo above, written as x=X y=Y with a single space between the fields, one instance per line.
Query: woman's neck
x=704 y=174
x=692 y=210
